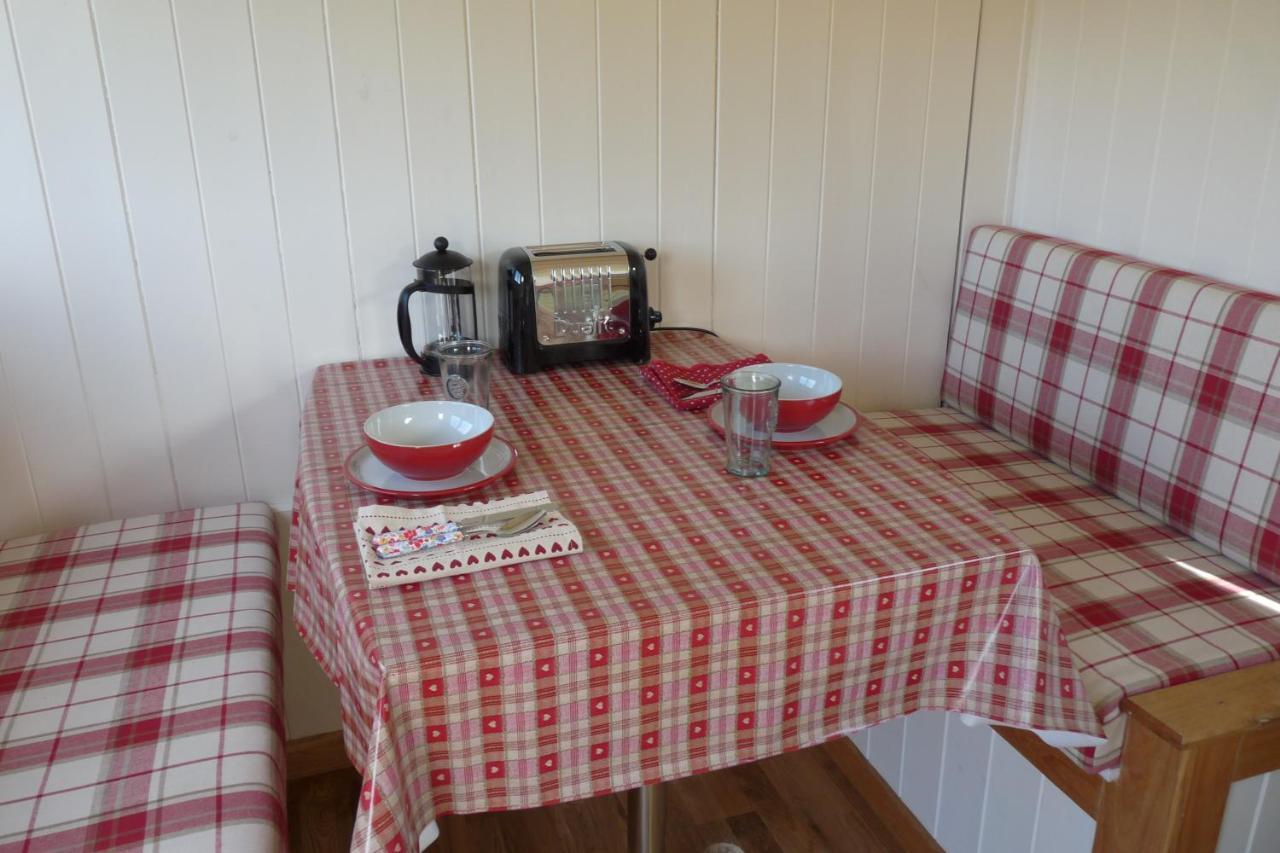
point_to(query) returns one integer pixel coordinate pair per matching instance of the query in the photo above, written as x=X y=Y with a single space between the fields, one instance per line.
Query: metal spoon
x=512 y=526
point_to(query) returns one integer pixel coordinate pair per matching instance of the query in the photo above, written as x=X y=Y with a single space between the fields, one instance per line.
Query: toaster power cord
x=684 y=329
x=655 y=318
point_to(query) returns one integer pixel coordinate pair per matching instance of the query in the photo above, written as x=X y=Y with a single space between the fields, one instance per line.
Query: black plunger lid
x=442 y=261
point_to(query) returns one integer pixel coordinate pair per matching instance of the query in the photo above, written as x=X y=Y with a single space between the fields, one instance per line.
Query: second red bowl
x=808 y=394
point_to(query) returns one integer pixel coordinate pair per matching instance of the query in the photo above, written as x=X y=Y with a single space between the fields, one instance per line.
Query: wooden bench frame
x=1184 y=746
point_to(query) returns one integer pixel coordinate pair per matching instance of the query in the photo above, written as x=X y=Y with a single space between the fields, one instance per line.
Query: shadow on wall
x=310 y=699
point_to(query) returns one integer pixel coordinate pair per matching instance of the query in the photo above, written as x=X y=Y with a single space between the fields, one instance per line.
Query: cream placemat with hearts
x=557 y=536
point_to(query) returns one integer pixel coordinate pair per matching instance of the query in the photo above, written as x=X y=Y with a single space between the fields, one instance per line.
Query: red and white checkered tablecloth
x=709 y=621
x=140 y=685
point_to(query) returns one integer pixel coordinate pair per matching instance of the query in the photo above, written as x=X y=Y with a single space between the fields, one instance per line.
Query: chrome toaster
x=573 y=302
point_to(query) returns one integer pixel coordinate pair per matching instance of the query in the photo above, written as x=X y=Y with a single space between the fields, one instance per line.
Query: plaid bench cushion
x=140 y=685
x=1143 y=606
x=1159 y=386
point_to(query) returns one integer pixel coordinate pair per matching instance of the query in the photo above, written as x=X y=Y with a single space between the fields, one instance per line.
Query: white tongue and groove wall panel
x=975 y=794
x=204 y=201
x=1150 y=127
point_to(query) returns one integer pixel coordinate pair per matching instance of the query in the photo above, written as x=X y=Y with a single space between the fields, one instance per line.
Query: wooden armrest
x=1234 y=703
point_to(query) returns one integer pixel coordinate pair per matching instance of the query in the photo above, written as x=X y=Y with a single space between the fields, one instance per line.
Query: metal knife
x=504 y=515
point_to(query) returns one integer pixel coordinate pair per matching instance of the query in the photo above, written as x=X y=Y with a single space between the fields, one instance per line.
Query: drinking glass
x=464 y=370
x=750 y=401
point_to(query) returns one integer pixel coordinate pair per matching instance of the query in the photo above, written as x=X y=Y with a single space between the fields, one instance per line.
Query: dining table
x=709 y=620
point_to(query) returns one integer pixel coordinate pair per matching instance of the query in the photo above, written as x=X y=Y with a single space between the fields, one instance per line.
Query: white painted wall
x=1146 y=126
x=201 y=202
x=976 y=794
x=1153 y=127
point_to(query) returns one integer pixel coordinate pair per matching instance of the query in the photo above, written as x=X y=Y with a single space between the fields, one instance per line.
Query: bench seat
x=140 y=685
x=1144 y=606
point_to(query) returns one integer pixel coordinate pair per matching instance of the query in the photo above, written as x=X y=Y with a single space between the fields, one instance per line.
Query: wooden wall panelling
x=1154 y=128
x=1093 y=95
x=565 y=52
x=245 y=187
x=1243 y=137
x=895 y=199
x=686 y=157
x=861 y=739
x=795 y=174
x=996 y=122
x=1061 y=826
x=989 y=801
x=47 y=461
x=1264 y=252
x=899 y=819
x=364 y=43
x=216 y=50
x=438 y=118
x=505 y=123
x=857 y=31
x=306 y=179
x=1200 y=47
x=143 y=80
x=1241 y=816
x=1266 y=821
x=743 y=150
x=627 y=31
x=57 y=49
x=966 y=762
x=1009 y=820
x=1084 y=789
x=19 y=510
x=1135 y=131
x=884 y=750
x=1049 y=86
x=301 y=140
x=926 y=734
x=938 y=217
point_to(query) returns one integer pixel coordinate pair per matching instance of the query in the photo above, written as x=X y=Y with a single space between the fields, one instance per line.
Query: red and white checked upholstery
x=1143 y=606
x=140 y=685
x=1159 y=386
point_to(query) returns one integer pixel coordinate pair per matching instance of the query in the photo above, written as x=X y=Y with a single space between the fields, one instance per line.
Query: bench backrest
x=1160 y=386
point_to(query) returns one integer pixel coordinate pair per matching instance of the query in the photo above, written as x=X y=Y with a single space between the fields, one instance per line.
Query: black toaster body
x=572 y=302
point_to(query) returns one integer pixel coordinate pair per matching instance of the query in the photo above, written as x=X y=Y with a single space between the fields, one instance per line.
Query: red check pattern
x=1159 y=386
x=1143 y=605
x=140 y=685
x=709 y=621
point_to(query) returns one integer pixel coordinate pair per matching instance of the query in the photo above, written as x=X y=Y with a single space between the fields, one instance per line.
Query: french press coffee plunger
x=448 y=304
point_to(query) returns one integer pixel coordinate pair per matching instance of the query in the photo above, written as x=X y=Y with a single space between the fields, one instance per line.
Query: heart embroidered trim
x=558 y=536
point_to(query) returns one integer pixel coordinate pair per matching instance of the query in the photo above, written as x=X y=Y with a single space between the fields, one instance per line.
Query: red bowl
x=808 y=394
x=429 y=439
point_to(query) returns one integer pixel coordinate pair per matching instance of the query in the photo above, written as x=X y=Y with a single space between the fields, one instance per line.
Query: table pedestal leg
x=646 y=818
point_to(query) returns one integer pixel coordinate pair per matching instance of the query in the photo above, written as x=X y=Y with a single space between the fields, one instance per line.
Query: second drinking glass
x=464 y=370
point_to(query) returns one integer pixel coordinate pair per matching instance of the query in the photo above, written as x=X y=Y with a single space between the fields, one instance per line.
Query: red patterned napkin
x=662 y=375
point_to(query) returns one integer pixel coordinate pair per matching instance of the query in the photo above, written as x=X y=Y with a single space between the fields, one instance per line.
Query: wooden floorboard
x=794 y=803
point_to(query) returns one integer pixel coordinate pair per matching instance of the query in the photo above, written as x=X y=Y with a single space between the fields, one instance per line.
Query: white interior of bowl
x=800 y=381
x=428 y=423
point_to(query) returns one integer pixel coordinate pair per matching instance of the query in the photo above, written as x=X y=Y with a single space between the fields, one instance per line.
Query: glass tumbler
x=464 y=370
x=750 y=402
